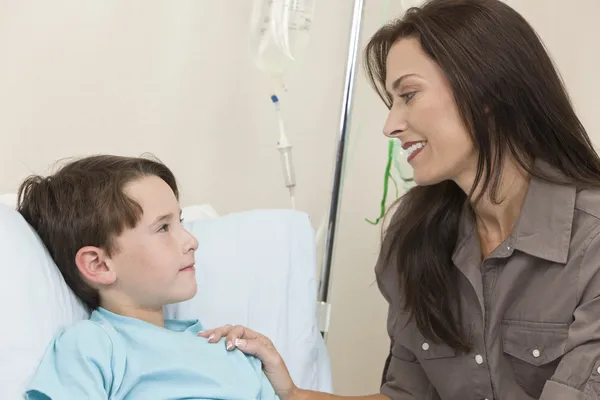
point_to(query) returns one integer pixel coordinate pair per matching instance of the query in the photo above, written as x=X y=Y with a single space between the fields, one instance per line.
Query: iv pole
x=324 y=307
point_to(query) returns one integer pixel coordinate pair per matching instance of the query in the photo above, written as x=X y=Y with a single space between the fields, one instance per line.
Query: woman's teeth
x=415 y=147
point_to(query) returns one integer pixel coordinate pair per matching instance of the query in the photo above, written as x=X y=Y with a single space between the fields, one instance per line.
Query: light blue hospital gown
x=114 y=357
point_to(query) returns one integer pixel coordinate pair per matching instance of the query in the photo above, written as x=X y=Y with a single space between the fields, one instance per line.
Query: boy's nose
x=191 y=243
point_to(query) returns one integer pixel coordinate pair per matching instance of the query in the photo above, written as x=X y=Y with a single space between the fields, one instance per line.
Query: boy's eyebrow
x=165 y=217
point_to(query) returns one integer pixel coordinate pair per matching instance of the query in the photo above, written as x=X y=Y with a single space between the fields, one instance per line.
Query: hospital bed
x=255 y=268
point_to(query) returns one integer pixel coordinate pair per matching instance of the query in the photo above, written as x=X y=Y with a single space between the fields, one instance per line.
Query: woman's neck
x=496 y=220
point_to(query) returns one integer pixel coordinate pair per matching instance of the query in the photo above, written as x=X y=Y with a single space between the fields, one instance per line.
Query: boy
x=112 y=224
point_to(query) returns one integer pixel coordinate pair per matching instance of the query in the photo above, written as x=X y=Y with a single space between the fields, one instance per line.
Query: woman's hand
x=255 y=344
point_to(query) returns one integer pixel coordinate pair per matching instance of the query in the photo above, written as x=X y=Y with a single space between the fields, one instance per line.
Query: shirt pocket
x=433 y=351
x=426 y=349
x=423 y=348
x=534 y=350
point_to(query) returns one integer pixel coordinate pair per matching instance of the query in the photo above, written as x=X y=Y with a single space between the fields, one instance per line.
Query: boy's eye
x=164 y=228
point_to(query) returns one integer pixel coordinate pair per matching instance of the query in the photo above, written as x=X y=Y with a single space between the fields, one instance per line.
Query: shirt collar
x=546 y=220
x=543 y=228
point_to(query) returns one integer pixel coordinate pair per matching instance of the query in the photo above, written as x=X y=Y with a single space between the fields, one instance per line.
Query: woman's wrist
x=295 y=394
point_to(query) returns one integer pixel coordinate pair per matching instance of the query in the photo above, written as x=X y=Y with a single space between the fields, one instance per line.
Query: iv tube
x=392 y=159
x=284 y=146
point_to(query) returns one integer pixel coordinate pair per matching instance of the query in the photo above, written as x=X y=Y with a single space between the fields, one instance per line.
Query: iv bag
x=280 y=30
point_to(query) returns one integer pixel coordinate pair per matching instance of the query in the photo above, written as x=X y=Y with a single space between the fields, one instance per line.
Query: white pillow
x=10 y=199
x=258 y=268
x=35 y=302
x=198 y=212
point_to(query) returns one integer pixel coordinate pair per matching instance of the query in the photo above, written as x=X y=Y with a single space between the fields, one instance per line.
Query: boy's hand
x=258 y=345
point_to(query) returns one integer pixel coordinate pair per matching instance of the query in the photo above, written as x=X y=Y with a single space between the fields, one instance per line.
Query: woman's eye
x=164 y=228
x=407 y=96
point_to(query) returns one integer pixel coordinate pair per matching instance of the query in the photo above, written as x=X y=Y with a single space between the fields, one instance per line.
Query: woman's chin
x=425 y=179
x=423 y=176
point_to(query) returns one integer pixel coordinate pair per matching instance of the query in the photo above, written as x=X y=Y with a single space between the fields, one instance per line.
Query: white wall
x=176 y=79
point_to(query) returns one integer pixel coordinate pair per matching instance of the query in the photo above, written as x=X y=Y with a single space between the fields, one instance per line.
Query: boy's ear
x=93 y=265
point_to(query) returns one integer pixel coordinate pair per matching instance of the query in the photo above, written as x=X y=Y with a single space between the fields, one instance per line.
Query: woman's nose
x=395 y=123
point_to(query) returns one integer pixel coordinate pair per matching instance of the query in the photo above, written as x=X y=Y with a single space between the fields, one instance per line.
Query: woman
x=491 y=264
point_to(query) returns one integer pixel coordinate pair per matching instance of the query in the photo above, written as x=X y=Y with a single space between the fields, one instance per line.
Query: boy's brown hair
x=83 y=204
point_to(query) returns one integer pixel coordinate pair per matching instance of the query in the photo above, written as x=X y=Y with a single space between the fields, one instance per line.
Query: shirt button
x=536 y=353
x=425 y=346
x=598 y=370
x=479 y=359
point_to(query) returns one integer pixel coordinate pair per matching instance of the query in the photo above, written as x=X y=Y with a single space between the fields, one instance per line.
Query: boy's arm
x=76 y=365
